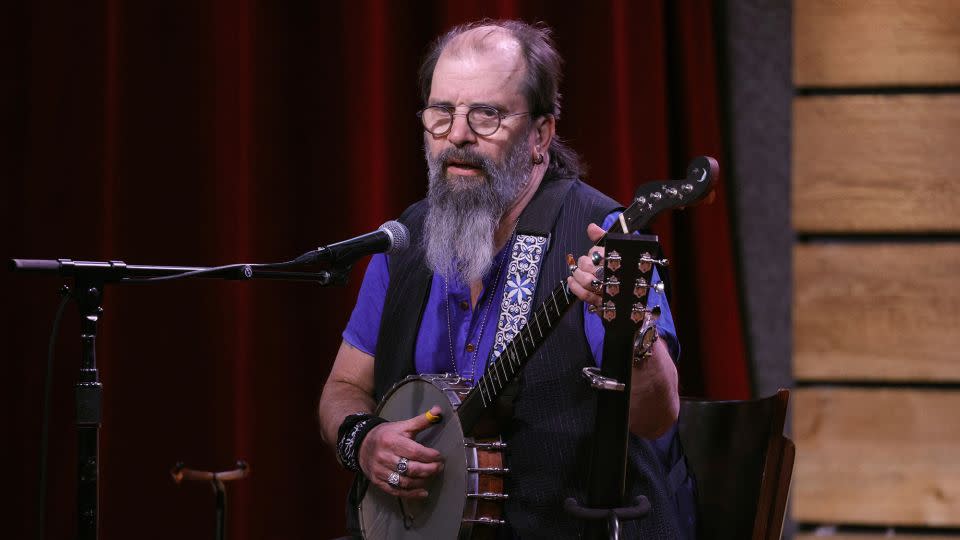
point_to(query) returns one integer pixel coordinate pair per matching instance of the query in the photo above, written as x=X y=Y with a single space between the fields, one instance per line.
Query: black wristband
x=350 y=436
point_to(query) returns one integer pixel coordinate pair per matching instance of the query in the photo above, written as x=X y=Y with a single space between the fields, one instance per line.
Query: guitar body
x=466 y=499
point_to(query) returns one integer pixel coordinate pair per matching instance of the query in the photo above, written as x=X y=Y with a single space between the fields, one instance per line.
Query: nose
x=460 y=133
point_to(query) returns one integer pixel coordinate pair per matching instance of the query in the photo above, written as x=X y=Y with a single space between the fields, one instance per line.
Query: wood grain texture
x=877 y=312
x=876 y=163
x=877 y=456
x=876 y=43
x=873 y=536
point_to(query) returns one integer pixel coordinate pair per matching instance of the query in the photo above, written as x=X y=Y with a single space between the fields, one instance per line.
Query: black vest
x=554 y=412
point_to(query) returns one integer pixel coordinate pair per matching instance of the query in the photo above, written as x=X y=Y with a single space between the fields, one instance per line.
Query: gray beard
x=464 y=212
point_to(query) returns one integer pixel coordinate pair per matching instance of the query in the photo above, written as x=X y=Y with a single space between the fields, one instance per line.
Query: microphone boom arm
x=121 y=272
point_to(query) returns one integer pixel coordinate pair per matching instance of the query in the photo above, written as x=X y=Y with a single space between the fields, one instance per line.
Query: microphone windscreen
x=400 y=236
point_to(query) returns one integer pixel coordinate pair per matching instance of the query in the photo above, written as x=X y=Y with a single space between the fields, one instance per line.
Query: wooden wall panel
x=874 y=536
x=876 y=43
x=877 y=456
x=877 y=312
x=876 y=130
x=876 y=163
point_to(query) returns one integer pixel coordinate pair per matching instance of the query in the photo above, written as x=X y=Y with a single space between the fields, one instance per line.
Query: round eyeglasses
x=484 y=120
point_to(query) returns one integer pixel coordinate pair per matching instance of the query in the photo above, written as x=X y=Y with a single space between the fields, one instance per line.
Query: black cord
x=45 y=428
x=247 y=270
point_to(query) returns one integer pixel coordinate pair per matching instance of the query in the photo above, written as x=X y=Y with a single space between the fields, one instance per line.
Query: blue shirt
x=455 y=337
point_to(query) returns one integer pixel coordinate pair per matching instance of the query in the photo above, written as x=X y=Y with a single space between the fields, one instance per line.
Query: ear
x=544 y=128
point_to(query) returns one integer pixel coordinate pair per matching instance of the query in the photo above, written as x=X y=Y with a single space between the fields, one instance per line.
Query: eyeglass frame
x=452 y=112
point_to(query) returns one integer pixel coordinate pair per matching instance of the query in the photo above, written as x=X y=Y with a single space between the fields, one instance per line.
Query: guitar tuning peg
x=613 y=286
x=646 y=260
x=640 y=287
x=613 y=261
x=638 y=312
x=609 y=311
x=641 y=313
x=645 y=263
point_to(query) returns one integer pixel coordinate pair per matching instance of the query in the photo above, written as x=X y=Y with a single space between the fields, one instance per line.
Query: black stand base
x=613 y=516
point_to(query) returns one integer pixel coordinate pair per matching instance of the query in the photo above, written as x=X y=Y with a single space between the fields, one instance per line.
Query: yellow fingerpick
x=433 y=418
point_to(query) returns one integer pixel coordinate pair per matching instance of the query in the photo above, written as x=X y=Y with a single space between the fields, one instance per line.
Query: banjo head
x=440 y=515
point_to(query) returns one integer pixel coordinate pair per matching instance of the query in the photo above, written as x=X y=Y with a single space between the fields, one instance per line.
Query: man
x=496 y=167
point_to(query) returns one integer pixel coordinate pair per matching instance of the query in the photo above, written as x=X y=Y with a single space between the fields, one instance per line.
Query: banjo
x=466 y=499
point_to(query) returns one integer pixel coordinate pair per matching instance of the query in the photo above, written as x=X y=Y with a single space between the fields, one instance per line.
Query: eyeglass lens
x=482 y=120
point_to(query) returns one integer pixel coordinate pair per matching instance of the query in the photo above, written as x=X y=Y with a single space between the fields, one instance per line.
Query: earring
x=538 y=158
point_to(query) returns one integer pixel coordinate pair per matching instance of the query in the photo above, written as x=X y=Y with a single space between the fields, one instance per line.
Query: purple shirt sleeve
x=364 y=326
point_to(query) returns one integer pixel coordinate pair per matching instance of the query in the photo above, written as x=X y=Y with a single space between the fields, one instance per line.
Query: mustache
x=463 y=156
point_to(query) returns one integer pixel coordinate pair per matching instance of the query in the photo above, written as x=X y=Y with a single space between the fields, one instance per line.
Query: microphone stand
x=90 y=279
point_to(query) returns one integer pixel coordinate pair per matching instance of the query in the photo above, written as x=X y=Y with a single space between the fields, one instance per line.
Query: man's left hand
x=583 y=281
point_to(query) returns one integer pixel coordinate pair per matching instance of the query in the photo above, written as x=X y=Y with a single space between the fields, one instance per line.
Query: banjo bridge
x=485 y=521
x=489 y=470
x=488 y=496
x=495 y=446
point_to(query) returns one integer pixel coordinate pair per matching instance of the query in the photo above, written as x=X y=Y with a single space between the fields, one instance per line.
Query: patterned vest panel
x=549 y=435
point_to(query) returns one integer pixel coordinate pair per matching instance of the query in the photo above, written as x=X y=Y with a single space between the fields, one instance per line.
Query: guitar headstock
x=652 y=198
x=631 y=259
x=628 y=282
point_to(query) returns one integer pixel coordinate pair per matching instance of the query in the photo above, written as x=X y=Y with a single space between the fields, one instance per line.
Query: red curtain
x=233 y=130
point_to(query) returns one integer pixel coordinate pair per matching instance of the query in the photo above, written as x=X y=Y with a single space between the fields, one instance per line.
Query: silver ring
x=394 y=479
x=596 y=283
x=598 y=273
x=596 y=258
x=402 y=466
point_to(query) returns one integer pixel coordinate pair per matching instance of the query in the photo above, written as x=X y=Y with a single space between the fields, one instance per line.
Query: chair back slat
x=735 y=451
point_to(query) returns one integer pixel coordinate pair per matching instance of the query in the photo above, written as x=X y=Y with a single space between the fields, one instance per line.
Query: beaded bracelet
x=350 y=436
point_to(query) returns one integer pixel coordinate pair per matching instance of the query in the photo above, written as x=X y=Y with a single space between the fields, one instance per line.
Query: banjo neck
x=505 y=368
x=650 y=199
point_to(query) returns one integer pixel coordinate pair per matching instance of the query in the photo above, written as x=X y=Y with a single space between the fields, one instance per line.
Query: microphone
x=392 y=237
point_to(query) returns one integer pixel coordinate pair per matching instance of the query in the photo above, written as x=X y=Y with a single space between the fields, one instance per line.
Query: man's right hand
x=383 y=447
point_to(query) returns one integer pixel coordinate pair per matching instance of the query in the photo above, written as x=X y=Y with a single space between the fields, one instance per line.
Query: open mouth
x=463 y=168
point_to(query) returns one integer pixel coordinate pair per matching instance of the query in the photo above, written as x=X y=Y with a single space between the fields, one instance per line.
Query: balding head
x=539 y=57
x=485 y=39
x=539 y=66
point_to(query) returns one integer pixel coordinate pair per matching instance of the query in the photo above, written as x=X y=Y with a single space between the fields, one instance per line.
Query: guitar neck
x=506 y=367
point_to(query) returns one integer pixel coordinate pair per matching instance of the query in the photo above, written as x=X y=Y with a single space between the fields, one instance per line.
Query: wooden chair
x=742 y=464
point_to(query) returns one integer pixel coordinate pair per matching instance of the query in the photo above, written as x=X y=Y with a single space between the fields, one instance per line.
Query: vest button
x=464 y=305
x=470 y=347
